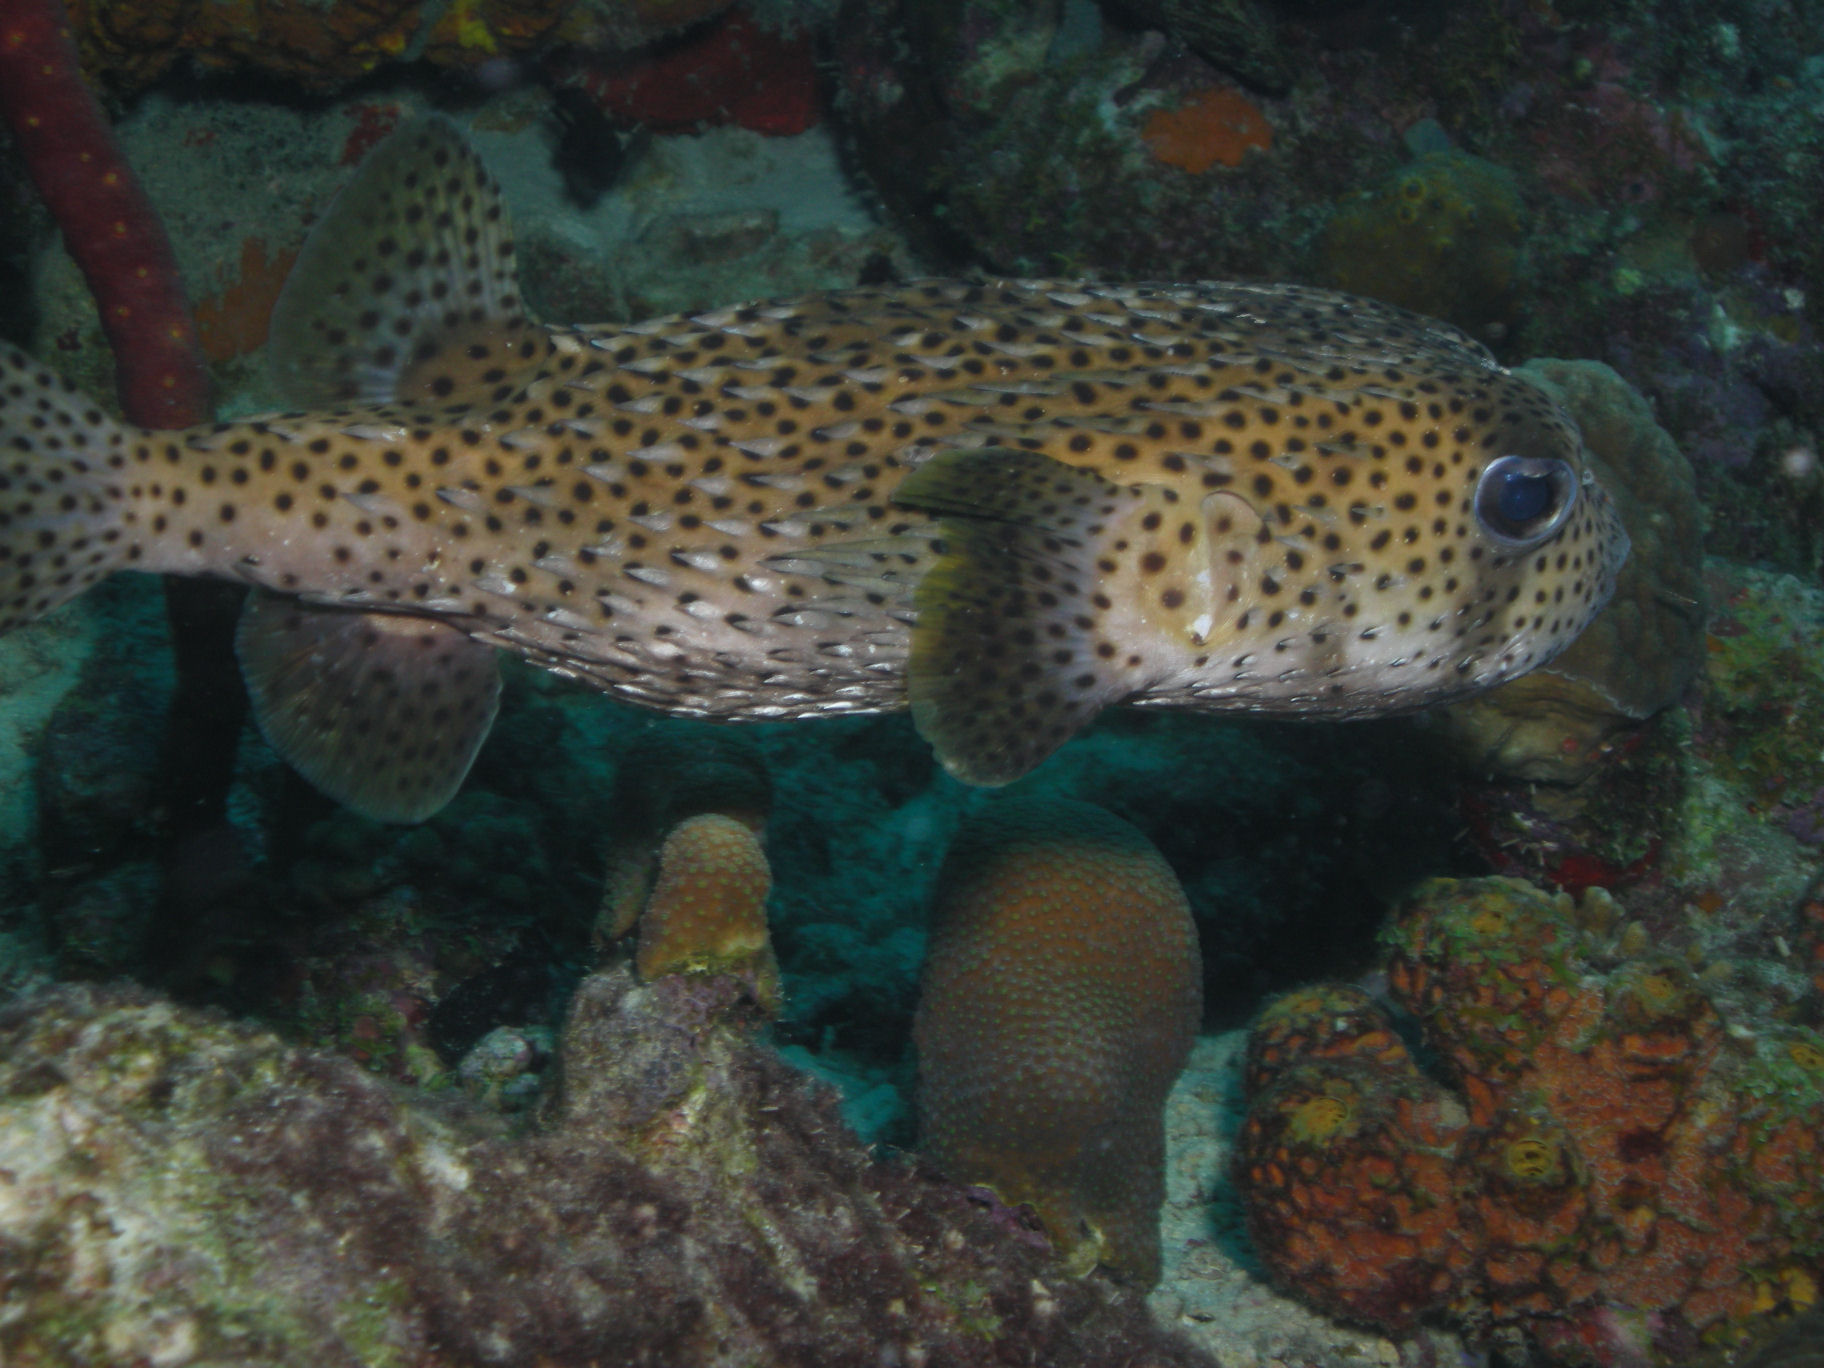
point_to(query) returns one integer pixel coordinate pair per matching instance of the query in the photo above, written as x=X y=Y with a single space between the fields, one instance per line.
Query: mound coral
x=668 y=773
x=1615 y=1146
x=1059 y=999
x=707 y=912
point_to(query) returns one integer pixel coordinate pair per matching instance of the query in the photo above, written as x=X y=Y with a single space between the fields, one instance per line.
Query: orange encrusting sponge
x=1061 y=992
x=1218 y=124
x=707 y=912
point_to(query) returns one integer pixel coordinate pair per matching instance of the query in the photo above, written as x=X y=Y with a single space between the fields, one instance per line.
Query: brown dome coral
x=707 y=912
x=670 y=772
x=1059 y=999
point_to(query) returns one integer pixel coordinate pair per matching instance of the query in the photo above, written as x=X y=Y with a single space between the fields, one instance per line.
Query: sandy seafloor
x=697 y=221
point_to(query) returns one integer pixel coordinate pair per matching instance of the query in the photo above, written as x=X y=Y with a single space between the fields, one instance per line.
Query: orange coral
x=233 y=321
x=1218 y=124
x=1059 y=999
x=1323 y=1021
x=1354 y=1183
x=707 y=912
x=1619 y=1152
x=673 y=771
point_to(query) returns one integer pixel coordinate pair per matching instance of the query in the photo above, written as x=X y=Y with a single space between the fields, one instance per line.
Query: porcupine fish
x=1004 y=504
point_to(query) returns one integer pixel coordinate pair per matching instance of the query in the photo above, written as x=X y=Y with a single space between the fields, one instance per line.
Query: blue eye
x=1522 y=500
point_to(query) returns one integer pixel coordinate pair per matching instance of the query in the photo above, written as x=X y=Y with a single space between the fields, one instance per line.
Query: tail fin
x=64 y=511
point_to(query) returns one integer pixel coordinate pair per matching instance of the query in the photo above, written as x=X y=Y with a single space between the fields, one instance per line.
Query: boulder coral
x=1609 y=1144
x=1059 y=999
x=707 y=912
x=666 y=774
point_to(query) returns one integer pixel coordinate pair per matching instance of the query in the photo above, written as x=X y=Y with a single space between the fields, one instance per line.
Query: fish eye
x=1522 y=500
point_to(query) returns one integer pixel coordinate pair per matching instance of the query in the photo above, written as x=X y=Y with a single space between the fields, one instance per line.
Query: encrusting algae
x=1006 y=505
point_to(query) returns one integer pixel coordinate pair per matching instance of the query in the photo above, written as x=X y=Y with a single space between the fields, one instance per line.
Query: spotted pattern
x=420 y=254
x=700 y=513
x=65 y=520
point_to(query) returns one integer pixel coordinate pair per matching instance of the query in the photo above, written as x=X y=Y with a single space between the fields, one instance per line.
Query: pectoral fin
x=1017 y=647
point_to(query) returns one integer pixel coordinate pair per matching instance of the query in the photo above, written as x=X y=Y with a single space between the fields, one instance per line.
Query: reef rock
x=179 y=1189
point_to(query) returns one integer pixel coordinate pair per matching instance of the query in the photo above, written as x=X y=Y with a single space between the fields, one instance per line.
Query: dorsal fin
x=406 y=288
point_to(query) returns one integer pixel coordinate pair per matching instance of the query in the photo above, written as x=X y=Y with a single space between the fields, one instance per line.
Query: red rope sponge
x=107 y=222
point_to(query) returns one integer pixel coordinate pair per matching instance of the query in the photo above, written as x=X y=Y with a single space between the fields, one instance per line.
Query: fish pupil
x=1523 y=500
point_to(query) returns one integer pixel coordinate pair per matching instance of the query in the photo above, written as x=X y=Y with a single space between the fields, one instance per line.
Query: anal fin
x=383 y=712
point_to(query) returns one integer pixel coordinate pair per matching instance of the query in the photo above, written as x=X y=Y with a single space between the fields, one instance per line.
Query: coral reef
x=1677 y=244
x=175 y=1188
x=1059 y=998
x=1763 y=672
x=131 y=45
x=1613 y=1144
x=1708 y=819
x=1000 y=136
